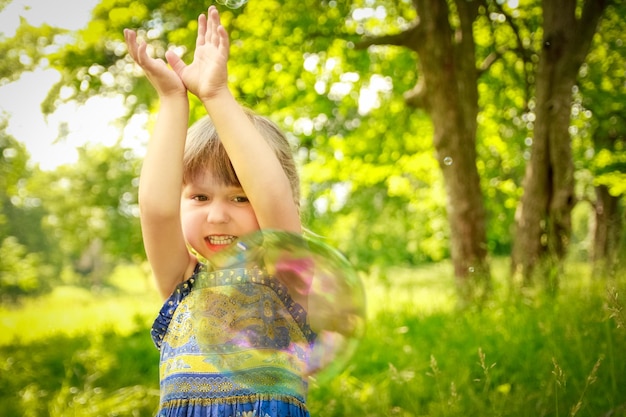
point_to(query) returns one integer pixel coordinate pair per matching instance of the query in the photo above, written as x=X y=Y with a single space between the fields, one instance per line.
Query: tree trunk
x=607 y=233
x=448 y=91
x=543 y=219
x=608 y=225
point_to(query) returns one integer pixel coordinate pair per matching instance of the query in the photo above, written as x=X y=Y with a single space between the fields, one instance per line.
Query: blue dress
x=233 y=343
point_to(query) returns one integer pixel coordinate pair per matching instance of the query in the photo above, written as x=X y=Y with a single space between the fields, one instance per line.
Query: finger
x=142 y=54
x=213 y=24
x=202 y=29
x=137 y=49
x=131 y=42
x=209 y=27
x=224 y=44
x=177 y=64
x=129 y=35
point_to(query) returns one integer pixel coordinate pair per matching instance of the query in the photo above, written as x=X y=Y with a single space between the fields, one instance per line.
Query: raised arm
x=258 y=169
x=161 y=174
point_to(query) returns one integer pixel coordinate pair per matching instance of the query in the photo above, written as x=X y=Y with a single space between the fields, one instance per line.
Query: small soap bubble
x=471 y=269
x=277 y=302
x=447 y=161
x=232 y=4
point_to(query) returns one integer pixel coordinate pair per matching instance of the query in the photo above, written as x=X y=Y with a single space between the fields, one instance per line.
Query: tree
x=543 y=219
x=26 y=49
x=91 y=210
x=447 y=90
x=601 y=82
x=24 y=248
x=301 y=70
x=365 y=89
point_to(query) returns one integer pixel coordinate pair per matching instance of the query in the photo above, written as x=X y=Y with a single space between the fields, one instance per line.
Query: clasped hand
x=204 y=77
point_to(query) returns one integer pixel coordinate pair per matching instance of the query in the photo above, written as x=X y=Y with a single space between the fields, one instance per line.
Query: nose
x=218 y=213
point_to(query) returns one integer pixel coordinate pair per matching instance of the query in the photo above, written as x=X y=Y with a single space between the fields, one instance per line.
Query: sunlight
x=53 y=140
x=54 y=13
x=72 y=311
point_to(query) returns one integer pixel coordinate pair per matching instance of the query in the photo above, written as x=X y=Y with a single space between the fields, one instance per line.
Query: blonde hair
x=204 y=151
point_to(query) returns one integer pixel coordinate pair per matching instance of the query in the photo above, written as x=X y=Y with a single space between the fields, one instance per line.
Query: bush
x=18 y=270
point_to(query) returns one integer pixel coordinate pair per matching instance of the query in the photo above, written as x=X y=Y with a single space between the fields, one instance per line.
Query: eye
x=200 y=197
x=240 y=199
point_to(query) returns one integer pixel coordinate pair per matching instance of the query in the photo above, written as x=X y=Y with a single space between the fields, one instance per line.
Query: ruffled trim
x=240 y=406
x=235 y=400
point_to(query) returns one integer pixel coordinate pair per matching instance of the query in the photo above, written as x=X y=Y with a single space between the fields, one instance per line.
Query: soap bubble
x=279 y=301
x=232 y=4
x=447 y=161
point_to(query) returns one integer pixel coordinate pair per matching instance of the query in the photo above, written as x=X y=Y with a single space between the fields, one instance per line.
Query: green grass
x=75 y=353
x=71 y=311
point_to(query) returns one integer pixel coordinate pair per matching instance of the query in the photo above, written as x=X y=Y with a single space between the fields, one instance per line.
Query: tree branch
x=409 y=39
x=587 y=26
x=523 y=52
x=488 y=62
x=417 y=97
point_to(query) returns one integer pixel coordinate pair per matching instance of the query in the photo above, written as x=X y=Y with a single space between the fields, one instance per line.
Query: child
x=231 y=344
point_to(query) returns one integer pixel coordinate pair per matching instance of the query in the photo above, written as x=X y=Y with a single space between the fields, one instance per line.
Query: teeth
x=221 y=240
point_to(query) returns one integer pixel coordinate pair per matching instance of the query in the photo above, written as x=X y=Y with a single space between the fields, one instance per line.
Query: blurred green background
x=486 y=221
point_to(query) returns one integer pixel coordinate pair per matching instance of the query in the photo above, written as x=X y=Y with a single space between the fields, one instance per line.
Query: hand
x=207 y=75
x=165 y=81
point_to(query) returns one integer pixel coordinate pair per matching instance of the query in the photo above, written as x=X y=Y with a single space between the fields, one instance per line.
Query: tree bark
x=543 y=219
x=608 y=227
x=447 y=90
x=450 y=95
x=609 y=212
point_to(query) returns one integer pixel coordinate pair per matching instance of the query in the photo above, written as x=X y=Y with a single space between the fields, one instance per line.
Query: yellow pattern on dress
x=236 y=322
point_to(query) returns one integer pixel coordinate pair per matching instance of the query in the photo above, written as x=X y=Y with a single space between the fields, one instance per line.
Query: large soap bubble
x=278 y=299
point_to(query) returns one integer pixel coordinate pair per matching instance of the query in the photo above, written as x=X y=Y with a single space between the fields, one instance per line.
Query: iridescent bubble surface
x=233 y=4
x=279 y=299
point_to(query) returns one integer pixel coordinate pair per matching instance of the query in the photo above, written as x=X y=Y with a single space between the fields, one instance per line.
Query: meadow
x=77 y=352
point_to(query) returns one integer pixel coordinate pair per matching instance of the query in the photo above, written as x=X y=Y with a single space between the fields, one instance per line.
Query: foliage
x=23 y=245
x=14 y=157
x=105 y=375
x=371 y=184
x=601 y=112
x=27 y=49
x=18 y=270
x=100 y=192
x=518 y=356
x=81 y=217
x=507 y=40
x=313 y=83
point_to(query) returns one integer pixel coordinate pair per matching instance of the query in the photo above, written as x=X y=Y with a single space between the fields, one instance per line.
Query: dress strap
x=162 y=321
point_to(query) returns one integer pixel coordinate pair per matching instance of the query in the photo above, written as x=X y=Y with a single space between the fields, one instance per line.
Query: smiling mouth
x=220 y=240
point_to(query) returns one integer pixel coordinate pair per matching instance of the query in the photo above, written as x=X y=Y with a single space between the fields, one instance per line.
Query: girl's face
x=214 y=215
